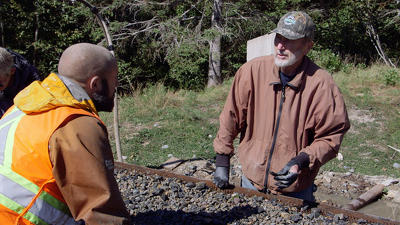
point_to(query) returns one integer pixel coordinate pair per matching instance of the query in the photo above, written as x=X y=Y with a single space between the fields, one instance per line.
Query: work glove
x=221 y=175
x=284 y=177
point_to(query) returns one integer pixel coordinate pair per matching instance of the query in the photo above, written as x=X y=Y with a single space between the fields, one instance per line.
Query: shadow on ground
x=169 y=217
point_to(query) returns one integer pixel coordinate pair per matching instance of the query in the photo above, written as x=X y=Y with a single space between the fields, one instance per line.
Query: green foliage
x=326 y=59
x=173 y=51
x=56 y=25
x=188 y=66
x=125 y=75
x=168 y=41
x=391 y=76
x=339 y=29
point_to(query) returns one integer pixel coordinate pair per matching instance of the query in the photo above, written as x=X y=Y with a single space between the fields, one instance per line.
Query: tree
x=41 y=30
x=173 y=42
x=374 y=12
x=214 y=61
x=373 y=34
x=359 y=29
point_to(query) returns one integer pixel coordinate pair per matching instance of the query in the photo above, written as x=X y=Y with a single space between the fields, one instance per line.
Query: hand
x=284 y=177
x=288 y=174
x=221 y=177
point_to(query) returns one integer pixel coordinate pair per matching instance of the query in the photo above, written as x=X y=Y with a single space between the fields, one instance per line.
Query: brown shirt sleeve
x=233 y=116
x=331 y=124
x=83 y=168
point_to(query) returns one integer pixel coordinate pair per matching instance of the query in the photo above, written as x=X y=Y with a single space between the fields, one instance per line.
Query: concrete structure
x=260 y=46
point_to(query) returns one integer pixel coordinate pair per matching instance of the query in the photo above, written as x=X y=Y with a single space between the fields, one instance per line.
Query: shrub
x=327 y=59
x=391 y=77
x=188 y=66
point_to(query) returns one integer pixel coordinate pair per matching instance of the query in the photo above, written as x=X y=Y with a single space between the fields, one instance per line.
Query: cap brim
x=288 y=34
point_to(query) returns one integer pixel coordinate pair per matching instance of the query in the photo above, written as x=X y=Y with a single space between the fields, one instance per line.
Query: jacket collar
x=299 y=75
x=54 y=91
x=76 y=91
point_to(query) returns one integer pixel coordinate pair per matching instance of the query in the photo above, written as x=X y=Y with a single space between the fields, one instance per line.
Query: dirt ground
x=347 y=186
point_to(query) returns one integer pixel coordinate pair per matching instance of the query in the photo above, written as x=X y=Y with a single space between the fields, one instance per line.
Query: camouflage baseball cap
x=295 y=25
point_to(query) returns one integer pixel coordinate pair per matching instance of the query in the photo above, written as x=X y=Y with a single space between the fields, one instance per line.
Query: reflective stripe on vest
x=16 y=192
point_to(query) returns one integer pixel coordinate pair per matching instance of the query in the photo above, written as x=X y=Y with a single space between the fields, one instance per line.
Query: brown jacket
x=313 y=119
x=83 y=168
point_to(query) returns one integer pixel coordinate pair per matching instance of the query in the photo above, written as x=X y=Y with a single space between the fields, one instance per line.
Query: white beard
x=292 y=58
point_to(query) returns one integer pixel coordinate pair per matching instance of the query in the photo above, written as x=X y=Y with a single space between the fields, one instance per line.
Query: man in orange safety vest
x=56 y=163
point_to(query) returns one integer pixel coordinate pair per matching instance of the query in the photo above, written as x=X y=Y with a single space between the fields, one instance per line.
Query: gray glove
x=221 y=177
x=286 y=178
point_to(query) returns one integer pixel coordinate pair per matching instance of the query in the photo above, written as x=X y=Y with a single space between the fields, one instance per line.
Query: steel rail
x=326 y=209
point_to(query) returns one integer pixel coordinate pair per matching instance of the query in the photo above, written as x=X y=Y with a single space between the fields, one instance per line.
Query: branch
x=103 y=25
x=377 y=43
x=130 y=33
x=132 y=29
x=397 y=150
x=198 y=27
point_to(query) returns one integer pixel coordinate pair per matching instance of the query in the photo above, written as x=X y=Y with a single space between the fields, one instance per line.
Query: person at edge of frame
x=290 y=113
x=15 y=74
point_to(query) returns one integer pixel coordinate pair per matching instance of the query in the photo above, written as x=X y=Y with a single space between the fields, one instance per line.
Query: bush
x=391 y=77
x=188 y=66
x=327 y=59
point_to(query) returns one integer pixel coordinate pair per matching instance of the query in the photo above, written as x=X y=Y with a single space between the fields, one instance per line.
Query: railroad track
x=169 y=198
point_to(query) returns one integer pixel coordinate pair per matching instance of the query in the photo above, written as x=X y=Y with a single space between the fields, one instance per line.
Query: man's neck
x=292 y=69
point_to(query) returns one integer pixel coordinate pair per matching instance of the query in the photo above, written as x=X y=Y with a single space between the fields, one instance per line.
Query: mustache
x=281 y=52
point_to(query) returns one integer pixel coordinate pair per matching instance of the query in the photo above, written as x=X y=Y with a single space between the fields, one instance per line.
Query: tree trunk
x=214 y=63
x=377 y=44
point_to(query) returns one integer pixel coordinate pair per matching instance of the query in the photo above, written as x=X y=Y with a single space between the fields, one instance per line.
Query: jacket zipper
x=274 y=139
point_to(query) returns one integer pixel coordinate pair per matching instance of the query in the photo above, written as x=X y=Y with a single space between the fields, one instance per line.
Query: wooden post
x=365 y=198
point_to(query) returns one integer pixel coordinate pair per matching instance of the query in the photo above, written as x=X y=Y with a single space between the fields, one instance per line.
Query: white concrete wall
x=260 y=46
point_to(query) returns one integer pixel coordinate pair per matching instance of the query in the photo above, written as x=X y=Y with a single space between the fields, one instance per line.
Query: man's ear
x=94 y=84
x=309 y=45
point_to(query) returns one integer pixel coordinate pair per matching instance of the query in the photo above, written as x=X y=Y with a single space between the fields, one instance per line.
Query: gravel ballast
x=153 y=199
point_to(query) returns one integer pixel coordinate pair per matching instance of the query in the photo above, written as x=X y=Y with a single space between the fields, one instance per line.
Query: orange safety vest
x=28 y=191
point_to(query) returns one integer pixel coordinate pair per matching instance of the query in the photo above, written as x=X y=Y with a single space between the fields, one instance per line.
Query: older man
x=15 y=74
x=55 y=158
x=290 y=114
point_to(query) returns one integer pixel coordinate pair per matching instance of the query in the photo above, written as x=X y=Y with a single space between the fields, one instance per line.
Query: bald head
x=81 y=61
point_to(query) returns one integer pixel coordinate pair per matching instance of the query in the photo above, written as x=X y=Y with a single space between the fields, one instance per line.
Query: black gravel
x=152 y=199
